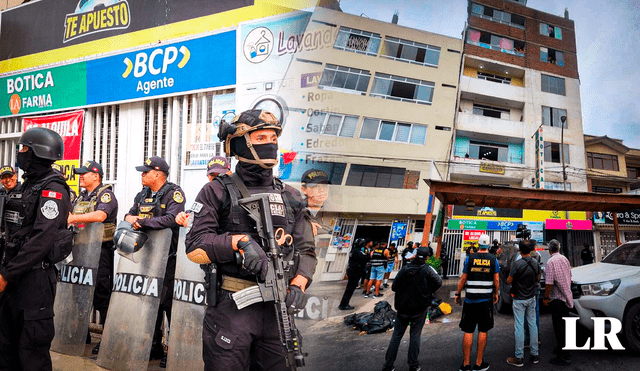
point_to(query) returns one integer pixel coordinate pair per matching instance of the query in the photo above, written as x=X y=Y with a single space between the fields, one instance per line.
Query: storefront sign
x=569 y=224
x=166 y=69
x=69 y=126
x=489 y=212
x=502 y=225
x=309 y=80
x=470 y=238
x=71 y=22
x=45 y=90
x=539 y=158
x=487 y=167
x=466 y=224
x=627 y=218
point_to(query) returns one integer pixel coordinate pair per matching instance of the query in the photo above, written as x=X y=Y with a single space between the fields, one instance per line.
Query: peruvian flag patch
x=52 y=194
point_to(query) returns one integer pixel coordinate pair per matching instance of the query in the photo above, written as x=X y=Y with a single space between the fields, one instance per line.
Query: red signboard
x=472 y=235
x=69 y=126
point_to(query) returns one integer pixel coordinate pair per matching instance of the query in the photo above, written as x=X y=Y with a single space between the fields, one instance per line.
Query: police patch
x=105 y=198
x=196 y=207
x=177 y=197
x=50 y=209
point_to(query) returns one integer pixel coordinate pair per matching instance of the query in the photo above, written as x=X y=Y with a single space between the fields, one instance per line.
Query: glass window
x=335 y=170
x=490 y=151
x=551 y=84
x=316 y=121
x=552 y=152
x=357 y=41
x=332 y=124
x=402 y=133
x=627 y=254
x=402 y=88
x=418 y=134
x=349 y=126
x=344 y=79
x=411 y=51
x=602 y=161
x=386 y=132
x=393 y=131
x=369 y=129
x=376 y=176
x=553 y=117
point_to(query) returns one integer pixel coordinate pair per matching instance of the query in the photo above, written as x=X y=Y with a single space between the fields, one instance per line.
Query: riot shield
x=187 y=313
x=128 y=331
x=74 y=292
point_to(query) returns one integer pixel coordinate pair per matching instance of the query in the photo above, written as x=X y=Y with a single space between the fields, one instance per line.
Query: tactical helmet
x=410 y=244
x=44 y=143
x=241 y=126
x=128 y=241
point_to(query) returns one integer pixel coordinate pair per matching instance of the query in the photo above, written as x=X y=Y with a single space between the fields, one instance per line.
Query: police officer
x=393 y=260
x=358 y=258
x=315 y=187
x=97 y=203
x=9 y=180
x=233 y=339
x=34 y=222
x=156 y=207
x=379 y=258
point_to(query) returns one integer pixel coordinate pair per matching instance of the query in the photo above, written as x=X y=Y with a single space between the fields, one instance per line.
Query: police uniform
x=480 y=268
x=358 y=258
x=158 y=211
x=232 y=337
x=34 y=219
x=101 y=198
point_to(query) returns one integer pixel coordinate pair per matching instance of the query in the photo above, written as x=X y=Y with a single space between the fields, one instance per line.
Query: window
x=551 y=31
x=491 y=151
x=558 y=186
x=357 y=41
x=633 y=172
x=393 y=131
x=553 y=85
x=376 y=176
x=495 y=42
x=410 y=51
x=489 y=111
x=627 y=254
x=602 y=161
x=494 y=78
x=335 y=171
x=495 y=15
x=552 y=152
x=552 y=56
x=345 y=79
x=402 y=88
x=553 y=117
x=332 y=124
x=605 y=189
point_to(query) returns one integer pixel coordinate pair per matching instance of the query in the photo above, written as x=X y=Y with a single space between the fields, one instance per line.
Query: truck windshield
x=627 y=254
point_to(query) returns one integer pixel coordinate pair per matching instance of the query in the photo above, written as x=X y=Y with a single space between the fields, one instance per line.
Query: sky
x=608 y=47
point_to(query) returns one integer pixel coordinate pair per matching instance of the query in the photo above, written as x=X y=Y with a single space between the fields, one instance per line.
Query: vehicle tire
x=631 y=327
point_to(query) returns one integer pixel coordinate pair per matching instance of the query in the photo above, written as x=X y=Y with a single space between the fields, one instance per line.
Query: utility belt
x=109 y=231
x=42 y=265
x=233 y=284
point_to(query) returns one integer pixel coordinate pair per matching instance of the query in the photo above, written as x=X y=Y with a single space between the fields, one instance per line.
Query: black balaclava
x=32 y=165
x=254 y=173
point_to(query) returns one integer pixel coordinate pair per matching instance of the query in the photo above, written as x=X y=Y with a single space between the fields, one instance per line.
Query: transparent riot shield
x=74 y=293
x=187 y=313
x=128 y=331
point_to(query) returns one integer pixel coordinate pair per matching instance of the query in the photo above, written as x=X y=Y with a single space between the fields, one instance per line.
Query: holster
x=211 y=282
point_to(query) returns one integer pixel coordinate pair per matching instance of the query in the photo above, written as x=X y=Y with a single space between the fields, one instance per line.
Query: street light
x=564 y=172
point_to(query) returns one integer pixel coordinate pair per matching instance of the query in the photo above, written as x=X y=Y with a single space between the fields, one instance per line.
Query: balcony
x=492 y=172
x=469 y=122
x=479 y=90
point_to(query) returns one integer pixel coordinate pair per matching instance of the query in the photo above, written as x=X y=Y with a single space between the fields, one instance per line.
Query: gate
x=338 y=250
x=453 y=239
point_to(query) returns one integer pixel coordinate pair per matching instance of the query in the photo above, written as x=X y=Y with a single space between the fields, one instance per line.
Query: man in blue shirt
x=481 y=282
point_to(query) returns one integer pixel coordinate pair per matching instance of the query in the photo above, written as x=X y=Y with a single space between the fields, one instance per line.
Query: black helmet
x=45 y=143
x=410 y=244
x=359 y=242
x=128 y=241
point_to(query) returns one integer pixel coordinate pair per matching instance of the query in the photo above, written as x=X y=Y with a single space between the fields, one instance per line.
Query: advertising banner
x=69 y=126
x=569 y=224
x=166 y=69
x=487 y=212
x=398 y=230
x=470 y=238
x=627 y=218
x=45 y=90
x=72 y=22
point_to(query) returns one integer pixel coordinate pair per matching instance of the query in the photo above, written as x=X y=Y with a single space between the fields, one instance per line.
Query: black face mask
x=264 y=151
x=24 y=160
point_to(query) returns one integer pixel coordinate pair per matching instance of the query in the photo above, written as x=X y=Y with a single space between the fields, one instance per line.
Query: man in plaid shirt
x=558 y=296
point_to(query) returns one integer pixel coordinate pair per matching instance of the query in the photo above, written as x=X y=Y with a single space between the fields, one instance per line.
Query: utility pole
x=564 y=171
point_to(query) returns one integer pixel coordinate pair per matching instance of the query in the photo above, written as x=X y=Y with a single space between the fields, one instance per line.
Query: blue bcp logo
x=155 y=63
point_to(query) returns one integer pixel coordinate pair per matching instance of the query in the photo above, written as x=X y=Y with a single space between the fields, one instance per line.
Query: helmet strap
x=265 y=164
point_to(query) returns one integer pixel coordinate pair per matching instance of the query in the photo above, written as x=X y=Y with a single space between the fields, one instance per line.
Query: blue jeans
x=525 y=309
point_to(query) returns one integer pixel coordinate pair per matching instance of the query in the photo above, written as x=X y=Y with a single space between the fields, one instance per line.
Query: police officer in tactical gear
x=358 y=258
x=9 y=180
x=235 y=339
x=36 y=221
x=156 y=207
x=97 y=203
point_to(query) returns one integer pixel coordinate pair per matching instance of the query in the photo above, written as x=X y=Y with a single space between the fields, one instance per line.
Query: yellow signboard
x=487 y=167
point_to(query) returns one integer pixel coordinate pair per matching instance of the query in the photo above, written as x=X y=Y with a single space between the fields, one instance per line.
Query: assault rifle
x=274 y=288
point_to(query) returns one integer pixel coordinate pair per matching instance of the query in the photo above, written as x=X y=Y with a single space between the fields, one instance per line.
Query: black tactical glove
x=295 y=298
x=255 y=261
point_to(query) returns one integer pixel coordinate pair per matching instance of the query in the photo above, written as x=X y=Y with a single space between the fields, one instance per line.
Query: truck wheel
x=631 y=327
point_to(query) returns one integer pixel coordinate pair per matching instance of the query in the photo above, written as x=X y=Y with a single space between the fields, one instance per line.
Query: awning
x=454 y=193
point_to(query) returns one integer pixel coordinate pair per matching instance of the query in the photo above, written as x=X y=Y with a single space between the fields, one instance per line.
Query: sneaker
x=484 y=366
x=377 y=296
x=366 y=295
x=518 y=362
x=465 y=368
x=535 y=358
x=163 y=362
x=386 y=285
x=559 y=361
x=96 y=349
x=348 y=307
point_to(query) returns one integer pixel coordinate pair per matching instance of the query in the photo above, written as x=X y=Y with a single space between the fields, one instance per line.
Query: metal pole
x=564 y=172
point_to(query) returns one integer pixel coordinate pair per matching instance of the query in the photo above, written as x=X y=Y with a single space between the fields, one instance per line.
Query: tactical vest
x=480 y=271
x=378 y=259
x=20 y=215
x=237 y=221
x=150 y=205
x=392 y=254
x=84 y=207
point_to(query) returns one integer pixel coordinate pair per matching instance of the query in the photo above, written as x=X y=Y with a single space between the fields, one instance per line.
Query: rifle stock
x=274 y=288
